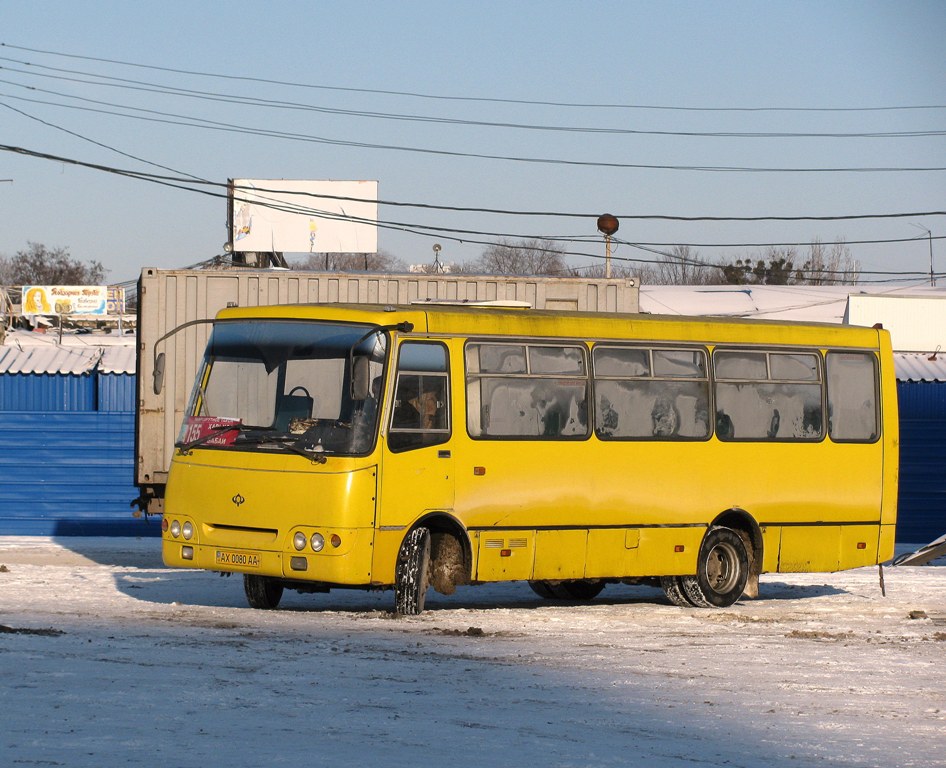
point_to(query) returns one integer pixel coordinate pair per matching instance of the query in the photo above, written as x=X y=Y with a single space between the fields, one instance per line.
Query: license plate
x=237 y=559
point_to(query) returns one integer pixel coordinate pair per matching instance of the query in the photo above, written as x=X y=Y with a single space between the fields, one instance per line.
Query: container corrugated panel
x=47 y=392
x=921 y=515
x=116 y=392
x=67 y=474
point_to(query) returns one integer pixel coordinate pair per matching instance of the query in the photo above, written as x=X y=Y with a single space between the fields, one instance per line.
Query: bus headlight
x=317 y=542
x=298 y=541
x=187 y=530
x=175 y=528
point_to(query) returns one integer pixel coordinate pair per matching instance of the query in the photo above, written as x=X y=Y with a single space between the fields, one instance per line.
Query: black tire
x=578 y=590
x=543 y=589
x=673 y=589
x=722 y=570
x=262 y=592
x=411 y=573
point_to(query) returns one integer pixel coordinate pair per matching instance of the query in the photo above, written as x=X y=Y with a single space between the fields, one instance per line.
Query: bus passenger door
x=417 y=460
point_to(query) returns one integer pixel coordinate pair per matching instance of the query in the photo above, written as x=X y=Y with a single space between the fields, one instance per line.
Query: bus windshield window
x=290 y=380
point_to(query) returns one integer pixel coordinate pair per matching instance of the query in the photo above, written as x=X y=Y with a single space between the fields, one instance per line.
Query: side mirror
x=360 y=379
x=158 y=374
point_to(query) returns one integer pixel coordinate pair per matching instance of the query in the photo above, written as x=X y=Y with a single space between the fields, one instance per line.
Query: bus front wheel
x=722 y=570
x=262 y=592
x=411 y=574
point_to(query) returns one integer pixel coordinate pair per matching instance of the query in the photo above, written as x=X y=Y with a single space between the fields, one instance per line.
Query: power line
x=147 y=87
x=155 y=116
x=468 y=209
x=453 y=234
x=474 y=99
x=196 y=122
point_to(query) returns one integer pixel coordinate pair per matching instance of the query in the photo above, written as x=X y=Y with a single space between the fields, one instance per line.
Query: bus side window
x=643 y=393
x=420 y=416
x=526 y=391
x=852 y=397
x=768 y=395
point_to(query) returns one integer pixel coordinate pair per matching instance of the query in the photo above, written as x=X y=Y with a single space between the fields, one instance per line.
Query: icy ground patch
x=109 y=659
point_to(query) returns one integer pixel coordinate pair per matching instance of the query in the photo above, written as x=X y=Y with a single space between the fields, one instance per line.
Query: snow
x=110 y=659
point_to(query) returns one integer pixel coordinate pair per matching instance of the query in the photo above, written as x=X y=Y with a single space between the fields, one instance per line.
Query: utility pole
x=607 y=226
x=930 y=235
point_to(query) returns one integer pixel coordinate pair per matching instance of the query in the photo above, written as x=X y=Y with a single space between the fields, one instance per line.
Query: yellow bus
x=416 y=447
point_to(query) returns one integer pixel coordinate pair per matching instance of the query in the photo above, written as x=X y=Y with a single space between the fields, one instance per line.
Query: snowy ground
x=109 y=659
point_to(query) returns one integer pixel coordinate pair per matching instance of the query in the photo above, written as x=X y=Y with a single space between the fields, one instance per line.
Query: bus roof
x=466 y=320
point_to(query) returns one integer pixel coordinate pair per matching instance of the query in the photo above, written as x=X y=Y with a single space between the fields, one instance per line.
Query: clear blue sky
x=813 y=55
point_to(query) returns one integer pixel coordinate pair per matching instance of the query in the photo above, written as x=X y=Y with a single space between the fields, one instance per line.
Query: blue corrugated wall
x=921 y=514
x=67 y=452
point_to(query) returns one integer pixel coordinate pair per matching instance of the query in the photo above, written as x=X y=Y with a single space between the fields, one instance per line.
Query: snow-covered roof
x=30 y=352
x=912 y=314
x=806 y=303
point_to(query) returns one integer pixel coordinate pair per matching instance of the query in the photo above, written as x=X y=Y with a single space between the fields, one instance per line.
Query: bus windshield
x=288 y=385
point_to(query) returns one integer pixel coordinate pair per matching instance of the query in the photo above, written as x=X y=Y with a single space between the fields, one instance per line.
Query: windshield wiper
x=289 y=442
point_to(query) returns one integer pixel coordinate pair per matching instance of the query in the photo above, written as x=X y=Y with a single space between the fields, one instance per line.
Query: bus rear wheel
x=722 y=570
x=262 y=592
x=673 y=589
x=571 y=589
x=411 y=573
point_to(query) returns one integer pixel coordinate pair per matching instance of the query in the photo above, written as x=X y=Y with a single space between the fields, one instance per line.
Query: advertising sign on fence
x=65 y=299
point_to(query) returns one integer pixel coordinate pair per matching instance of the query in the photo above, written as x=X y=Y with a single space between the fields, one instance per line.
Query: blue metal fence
x=67 y=453
x=921 y=513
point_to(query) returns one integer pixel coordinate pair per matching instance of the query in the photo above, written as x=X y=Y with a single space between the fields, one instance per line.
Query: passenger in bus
x=406 y=411
x=416 y=406
x=724 y=426
x=665 y=418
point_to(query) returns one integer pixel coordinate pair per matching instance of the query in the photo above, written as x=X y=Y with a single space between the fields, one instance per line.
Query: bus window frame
x=650 y=348
x=476 y=377
x=444 y=434
x=878 y=397
x=821 y=382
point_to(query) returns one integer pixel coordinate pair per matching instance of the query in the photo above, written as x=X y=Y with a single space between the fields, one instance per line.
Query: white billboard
x=296 y=216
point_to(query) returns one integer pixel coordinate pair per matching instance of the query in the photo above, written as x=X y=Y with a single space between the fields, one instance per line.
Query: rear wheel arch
x=745 y=525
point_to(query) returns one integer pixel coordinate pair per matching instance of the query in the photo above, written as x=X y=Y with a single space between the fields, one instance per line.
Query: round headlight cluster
x=177 y=530
x=316 y=542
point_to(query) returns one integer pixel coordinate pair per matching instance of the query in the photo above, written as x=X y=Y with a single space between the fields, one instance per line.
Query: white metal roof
x=911 y=366
x=30 y=352
x=914 y=315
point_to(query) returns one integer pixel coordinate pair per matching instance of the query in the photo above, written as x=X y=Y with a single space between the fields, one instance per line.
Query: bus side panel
x=616 y=552
x=806 y=548
x=859 y=545
x=560 y=554
x=504 y=555
x=891 y=442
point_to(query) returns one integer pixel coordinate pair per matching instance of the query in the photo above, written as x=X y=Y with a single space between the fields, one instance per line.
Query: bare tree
x=351 y=262
x=779 y=266
x=680 y=266
x=38 y=265
x=834 y=266
x=523 y=257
